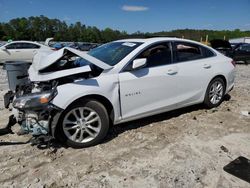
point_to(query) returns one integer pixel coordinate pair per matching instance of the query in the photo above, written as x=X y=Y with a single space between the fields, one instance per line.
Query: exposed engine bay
x=31 y=99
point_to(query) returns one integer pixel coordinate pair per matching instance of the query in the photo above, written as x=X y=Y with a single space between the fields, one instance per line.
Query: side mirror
x=4 y=48
x=139 y=63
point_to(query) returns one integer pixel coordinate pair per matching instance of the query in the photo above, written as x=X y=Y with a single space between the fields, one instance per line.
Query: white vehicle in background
x=75 y=96
x=21 y=51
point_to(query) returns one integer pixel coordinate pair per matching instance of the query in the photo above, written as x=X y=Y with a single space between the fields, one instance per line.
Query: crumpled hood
x=43 y=60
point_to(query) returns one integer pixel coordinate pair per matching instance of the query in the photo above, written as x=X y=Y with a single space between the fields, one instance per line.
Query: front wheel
x=215 y=93
x=83 y=124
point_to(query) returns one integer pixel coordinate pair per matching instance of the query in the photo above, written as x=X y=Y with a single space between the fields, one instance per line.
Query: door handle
x=171 y=71
x=17 y=51
x=207 y=66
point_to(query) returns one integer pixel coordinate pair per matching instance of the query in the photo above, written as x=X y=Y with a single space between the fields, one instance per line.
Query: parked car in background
x=75 y=96
x=222 y=46
x=241 y=52
x=21 y=51
x=82 y=46
x=233 y=44
x=57 y=46
x=87 y=46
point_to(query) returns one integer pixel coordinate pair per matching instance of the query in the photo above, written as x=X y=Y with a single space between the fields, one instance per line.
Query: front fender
x=105 y=87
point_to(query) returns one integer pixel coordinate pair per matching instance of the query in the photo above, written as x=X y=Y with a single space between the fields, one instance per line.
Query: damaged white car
x=75 y=96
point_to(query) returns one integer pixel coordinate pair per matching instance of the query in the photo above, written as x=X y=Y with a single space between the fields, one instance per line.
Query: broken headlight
x=34 y=100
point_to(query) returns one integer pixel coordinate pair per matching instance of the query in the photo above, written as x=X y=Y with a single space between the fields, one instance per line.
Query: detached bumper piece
x=7 y=129
x=240 y=168
x=8 y=98
x=43 y=142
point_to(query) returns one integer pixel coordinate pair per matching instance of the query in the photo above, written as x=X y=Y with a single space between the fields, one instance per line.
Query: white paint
x=21 y=54
x=146 y=91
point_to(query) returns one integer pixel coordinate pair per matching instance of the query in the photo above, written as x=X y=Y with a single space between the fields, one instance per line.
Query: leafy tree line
x=40 y=27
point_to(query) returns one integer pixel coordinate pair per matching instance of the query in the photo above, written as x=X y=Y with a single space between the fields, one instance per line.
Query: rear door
x=195 y=70
x=26 y=51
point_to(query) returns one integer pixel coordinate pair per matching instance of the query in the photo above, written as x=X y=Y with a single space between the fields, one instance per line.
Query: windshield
x=112 y=53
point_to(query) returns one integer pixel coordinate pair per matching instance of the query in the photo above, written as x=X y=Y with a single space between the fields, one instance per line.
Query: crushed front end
x=33 y=110
x=33 y=89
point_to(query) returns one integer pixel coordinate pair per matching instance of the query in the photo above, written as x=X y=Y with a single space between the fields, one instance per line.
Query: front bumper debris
x=7 y=129
x=8 y=98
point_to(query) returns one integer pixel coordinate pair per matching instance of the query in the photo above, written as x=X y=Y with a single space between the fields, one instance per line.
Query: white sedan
x=77 y=96
x=21 y=51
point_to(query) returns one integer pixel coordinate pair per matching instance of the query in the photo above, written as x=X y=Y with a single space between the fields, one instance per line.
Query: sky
x=137 y=15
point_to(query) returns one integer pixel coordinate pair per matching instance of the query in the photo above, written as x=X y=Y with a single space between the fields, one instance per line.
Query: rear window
x=207 y=52
x=185 y=51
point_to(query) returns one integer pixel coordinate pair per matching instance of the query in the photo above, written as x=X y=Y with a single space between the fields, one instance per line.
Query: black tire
x=207 y=100
x=90 y=104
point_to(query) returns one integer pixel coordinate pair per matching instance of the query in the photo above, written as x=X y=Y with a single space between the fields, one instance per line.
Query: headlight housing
x=34 y=100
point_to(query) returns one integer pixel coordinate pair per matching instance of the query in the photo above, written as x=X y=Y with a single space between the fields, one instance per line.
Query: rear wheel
x=83 y=124
x=215 y=93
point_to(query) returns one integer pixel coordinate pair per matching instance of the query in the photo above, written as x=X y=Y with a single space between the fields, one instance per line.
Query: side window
x=27 y=46
x=20 y=45
x=157 y=55
x=185 y=51
x=245 y=47
x=11 y=46
x=207 y=52
x=32 y=46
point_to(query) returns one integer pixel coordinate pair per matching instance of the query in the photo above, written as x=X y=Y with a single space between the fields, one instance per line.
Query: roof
x=153 y=39
x=19 y=41
x=158 y=39
x=26 y=41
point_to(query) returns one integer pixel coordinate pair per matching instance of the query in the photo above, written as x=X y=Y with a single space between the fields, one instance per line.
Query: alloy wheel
x=216 y=92
x=81 y=124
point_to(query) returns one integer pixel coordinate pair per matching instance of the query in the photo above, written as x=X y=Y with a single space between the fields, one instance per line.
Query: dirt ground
x=184 y=148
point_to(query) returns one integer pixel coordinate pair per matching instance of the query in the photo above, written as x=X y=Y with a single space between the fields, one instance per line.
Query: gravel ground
x=184 y=148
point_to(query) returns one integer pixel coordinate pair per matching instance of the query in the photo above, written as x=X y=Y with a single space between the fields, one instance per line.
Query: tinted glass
x=112 y=53
x=27 y=46
x=185 y=51
x=11 y=46
x=207 y=52
x=157 y=55
x=245 y=47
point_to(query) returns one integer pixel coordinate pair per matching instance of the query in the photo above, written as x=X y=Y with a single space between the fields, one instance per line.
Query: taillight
x=233 y=62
